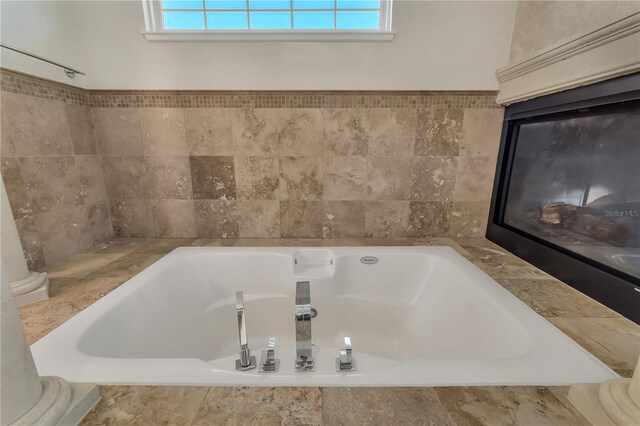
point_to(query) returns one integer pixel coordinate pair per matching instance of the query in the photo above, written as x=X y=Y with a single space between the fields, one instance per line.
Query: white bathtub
x=420 y=316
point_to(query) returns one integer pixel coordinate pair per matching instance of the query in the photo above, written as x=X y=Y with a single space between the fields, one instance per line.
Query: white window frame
x=154 y=30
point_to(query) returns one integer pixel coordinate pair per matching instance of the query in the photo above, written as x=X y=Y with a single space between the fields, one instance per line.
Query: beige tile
x=208 y=131
x=51 y=183
x=345 y=178
x=300 y=132
x=31 y=242
x=255 y=131
x=214 y=242
x=346 y=131
x=301 y=178
x=469 y=218
x=515 y=405
x=434 y=178
x=80 y=264
x=382 y=406
x=169 y=177
x=33 y=126
x=162 y=245
x=132 y=218
x=63 y=232
x=117 y=131
x=83 y=137
x=125 y=267
x=301 y=242
x=147 y=405
x=16 y=188
x=429 y=218
x=257 y=178
x=162 y=131
x=474 y=180
x=301 y=219
x=386 y=219
x=174 y=218
x=213 y=178
x=40 y=318
x=481 y=130
x=499 y=263
x=259 y=219
x=261 y=406
x=258 y=242
x=439 y=132
x=81 y=293
x=217 y=219
x=389 y=178
x=393 y=132
x=88 y=177
x=98 y=217
x=126 y=178
x=343 y=219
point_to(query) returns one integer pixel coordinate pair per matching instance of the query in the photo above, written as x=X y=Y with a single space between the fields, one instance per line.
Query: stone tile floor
x=80 y=280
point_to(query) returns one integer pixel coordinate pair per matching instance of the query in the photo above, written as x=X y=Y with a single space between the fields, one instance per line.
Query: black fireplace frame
x=619 y=291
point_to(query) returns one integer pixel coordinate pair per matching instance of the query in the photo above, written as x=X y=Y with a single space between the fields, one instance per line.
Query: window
x=268 y=19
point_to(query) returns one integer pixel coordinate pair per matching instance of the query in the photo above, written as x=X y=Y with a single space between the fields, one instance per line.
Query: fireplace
x=567 y=192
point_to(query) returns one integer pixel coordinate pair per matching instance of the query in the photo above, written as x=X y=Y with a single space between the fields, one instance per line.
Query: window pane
x=270 y=20
x=313 y=20
x=358 y=20
x=269 y=4
x=183 y=20
x=313 y=4
x=358 y=4
x=226 y=4
x=181 y=4
x=227 y=20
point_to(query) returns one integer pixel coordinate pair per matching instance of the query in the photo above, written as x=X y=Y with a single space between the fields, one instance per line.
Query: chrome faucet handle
x=246 y=360
x=345 y=360
x=304 y=350
x=268 y=361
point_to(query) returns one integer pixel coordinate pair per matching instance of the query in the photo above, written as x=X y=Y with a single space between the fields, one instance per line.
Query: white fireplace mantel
x=608 y=52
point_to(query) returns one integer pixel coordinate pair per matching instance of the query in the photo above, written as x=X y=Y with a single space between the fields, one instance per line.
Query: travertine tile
x=80 y=264
x=16 y=188
x=214 y=242
x=83 y=138
x=125 y=267
x=40 y=318
x=387 y=219
x=213 y=178
x=382 y=406
x=301 y=219
x=50 y=182
x=63 y=232
x=499 y=263
x=343 y=219
x=481 y=131
x=474 y=180
x=162 y=245
x=31 y=242
x=257 y=178
x=345 y=178
x=147 y=405
x=469 y=218
x=126 y=178
x=255 y=131
x=32 y=126
x=393 y=132
x=217 y=219
x=87 y=175
x=301 y=178
x=300 y=132
x=169 y=177
x=504 y=405
x=389 y=178
x=346 y=131
x=439 y=132
x=132 y=218
x=261 y=406
x=162 y=131
x=429 y=218
x=174 y=218
x=434 y=178
x=98 y=219
x=117 y=131
x=259 y=218
x=208 y=131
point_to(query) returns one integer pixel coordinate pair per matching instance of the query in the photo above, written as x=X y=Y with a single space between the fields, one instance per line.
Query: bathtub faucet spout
x=304 y=356
x=246 y=361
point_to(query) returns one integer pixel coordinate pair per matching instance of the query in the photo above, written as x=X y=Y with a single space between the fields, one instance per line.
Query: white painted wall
x=46 y=28
x=439 y=45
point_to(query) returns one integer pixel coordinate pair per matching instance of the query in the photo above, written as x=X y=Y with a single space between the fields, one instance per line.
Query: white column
x=27 y=286
x=26 y=398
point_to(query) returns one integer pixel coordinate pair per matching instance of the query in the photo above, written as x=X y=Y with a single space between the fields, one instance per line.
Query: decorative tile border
x=14 y=82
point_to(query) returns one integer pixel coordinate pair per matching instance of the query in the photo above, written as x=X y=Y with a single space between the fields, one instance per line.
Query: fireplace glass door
x=575 y=184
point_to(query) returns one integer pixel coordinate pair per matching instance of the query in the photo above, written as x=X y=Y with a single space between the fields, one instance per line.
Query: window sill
x=270 y=35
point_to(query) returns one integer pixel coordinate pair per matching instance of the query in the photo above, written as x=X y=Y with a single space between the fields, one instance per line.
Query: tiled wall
x=293 y=165
x=52 y=171
x=539 y=24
